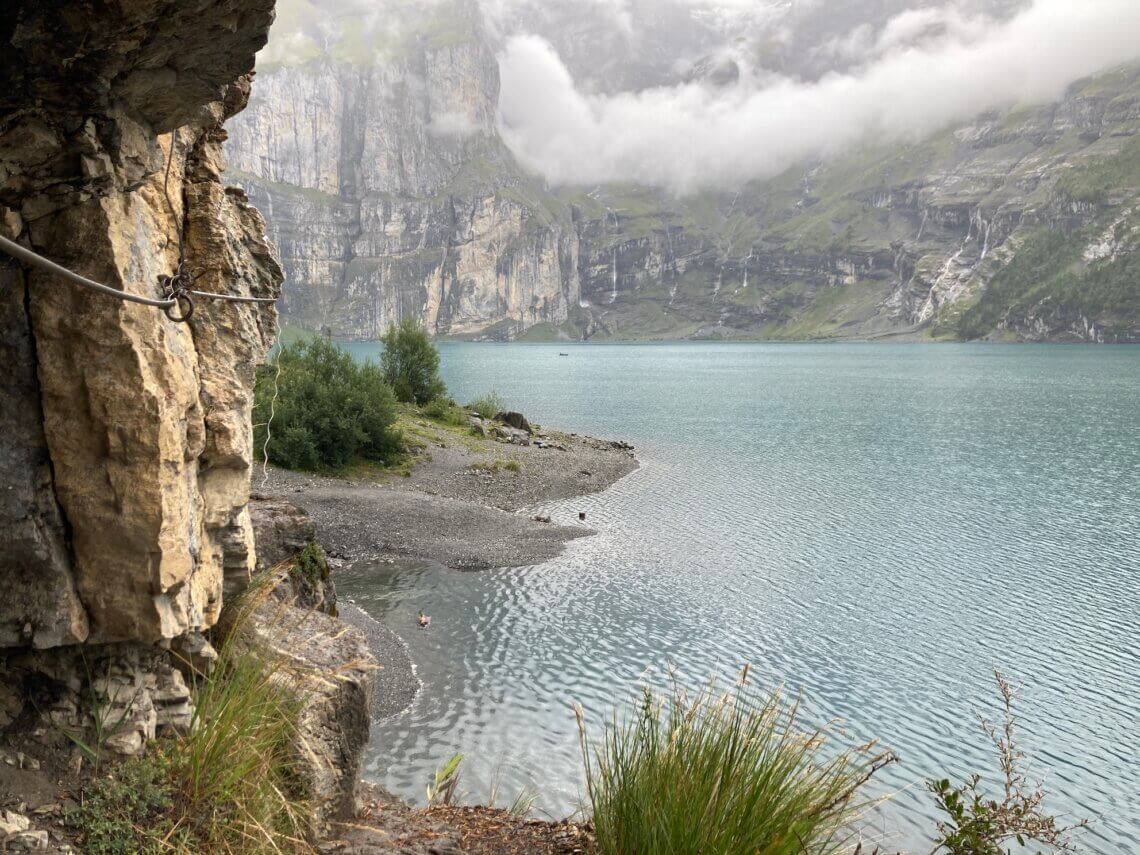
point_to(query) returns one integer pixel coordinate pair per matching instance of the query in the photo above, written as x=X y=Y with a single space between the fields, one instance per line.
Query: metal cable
x=179 y=296
x=36 y=260
x=232 y=298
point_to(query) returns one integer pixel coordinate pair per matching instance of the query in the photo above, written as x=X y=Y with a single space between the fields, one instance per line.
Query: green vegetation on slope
x=230 y=784
x=1104 y=180
x=327 y=409
x=1048 y=276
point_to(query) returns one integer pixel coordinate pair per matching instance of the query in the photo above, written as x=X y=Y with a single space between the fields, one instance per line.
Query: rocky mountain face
x=1022 y=225
x=126 y=440
x=389 y=193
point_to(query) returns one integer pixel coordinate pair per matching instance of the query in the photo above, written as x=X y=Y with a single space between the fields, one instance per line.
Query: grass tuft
x=488 y=406
x=722 y=773
x=229 y=785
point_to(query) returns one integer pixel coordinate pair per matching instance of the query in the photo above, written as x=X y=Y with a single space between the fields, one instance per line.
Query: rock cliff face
x=388 y=192
x=900 y=241
x=126 y=439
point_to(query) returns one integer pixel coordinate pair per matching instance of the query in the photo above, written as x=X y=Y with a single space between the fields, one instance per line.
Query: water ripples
x=878 y=525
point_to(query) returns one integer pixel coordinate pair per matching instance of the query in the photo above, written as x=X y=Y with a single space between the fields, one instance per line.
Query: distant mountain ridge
x=389 y=193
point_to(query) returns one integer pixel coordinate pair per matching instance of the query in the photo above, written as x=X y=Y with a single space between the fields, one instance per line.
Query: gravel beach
x=460 y=506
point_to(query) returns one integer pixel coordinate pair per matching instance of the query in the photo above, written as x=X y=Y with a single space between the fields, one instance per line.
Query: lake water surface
x=879 y=525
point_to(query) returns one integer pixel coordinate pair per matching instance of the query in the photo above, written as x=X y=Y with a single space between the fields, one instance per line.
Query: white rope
x=269 y=426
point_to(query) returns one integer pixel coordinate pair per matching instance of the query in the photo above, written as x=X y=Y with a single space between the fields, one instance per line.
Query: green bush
x=311 y=566
x=136 y=795
x=489 y=406
x=329 y=410
x=974 y=823
x=719 y=775
x=411 y=363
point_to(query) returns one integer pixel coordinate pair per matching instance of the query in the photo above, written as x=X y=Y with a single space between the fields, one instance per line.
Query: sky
x=690 y=95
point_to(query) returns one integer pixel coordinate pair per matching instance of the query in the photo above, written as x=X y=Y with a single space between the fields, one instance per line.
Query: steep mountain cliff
x=389 y=193
x=1024 y=224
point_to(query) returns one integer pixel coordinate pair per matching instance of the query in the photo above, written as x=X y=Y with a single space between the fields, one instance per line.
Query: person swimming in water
x=424 y=620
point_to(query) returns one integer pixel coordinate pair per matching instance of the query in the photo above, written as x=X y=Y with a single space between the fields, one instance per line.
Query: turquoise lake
x=879 y=525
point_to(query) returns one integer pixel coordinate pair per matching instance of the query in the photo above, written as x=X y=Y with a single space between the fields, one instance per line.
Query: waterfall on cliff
x=613 y=270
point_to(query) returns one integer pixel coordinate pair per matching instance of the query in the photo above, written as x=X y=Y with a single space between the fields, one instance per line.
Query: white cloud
x=452 y=124
x=928 y=68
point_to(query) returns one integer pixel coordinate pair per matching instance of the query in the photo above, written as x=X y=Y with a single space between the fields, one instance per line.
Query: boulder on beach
x=516 y=420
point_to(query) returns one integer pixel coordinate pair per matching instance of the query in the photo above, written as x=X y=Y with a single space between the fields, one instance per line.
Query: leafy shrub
x=724 y=774
x=311 y=566
x=137 y=795
x=411 y=363
x=977 y=825
x=329 y=409
x=489 y=406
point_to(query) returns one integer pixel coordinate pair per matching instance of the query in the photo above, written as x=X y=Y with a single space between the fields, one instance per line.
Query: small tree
x=327 y=409
x=411 y=363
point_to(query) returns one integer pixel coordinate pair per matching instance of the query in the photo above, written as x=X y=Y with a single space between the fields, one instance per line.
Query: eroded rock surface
x=126 y=439
x=329 y=666
x=129 y=432
x=390 y=193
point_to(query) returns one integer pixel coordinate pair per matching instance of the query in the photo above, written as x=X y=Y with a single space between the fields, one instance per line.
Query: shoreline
x=462 y=505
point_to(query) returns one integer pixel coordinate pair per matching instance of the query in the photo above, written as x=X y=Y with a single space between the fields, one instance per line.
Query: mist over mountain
x=899 y=78
x=691 y=94
x=619 y=45
x=688 y=168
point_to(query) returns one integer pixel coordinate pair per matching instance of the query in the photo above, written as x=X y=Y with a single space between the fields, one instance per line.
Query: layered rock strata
x=125 y=435
x=389 y=193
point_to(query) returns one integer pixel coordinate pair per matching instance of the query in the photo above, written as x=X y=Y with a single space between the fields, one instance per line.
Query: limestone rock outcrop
x=329 y=666
x=133 y=445
x=389 y=193
x=125 y=443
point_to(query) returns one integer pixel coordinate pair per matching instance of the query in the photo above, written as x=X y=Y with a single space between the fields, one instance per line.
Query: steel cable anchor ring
x=184 y=301
x=177 y=290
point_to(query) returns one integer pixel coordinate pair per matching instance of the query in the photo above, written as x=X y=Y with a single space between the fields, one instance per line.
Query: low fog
x=927 y=68
x=689 y=95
